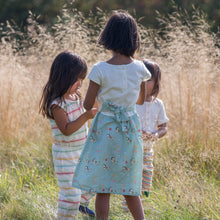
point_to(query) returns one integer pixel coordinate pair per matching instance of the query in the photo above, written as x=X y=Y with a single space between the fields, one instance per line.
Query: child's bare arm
x=91 y=95
x=161 y=131
x=67 y=127
x=141 y=96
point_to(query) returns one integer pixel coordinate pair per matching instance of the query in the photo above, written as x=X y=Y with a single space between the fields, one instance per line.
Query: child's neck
x=119 y=59
x=149 y=98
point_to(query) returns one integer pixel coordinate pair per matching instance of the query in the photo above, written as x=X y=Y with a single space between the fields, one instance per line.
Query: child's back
x=112 y=155
x=113 y=148
x=119 y=84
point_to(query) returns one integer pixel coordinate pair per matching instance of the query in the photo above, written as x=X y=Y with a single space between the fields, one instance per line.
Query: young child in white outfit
x=153 y=121
x=61 y=103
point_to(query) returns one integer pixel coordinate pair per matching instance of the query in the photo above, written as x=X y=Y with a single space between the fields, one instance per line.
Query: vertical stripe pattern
x=66 y=152
x=147 y=166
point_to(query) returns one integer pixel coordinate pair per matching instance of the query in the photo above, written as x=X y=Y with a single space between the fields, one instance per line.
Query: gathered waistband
x=110 y=108
x=108 y=113
x=120 y=113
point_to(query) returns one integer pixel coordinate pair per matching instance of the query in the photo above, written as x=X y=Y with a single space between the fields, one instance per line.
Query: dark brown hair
x=155 y=75
x=120 y=34
x=66 y=69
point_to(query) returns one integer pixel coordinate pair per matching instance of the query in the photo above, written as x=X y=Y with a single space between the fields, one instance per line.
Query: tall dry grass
x=189 y=56
x=190 y=62
x=25 y=65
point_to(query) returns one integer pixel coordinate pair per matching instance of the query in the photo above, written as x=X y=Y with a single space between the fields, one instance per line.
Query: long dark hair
x=120 y=34
x=155 y=75
x=66 y=69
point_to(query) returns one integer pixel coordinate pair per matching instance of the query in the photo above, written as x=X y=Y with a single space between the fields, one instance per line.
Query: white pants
x=65 y=160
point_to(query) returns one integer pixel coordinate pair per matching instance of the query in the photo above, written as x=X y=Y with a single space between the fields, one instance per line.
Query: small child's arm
x=161 y=131
x=91 y=95
x=63 y=123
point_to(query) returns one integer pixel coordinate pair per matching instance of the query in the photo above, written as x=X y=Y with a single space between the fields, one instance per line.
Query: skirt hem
x=118 y=193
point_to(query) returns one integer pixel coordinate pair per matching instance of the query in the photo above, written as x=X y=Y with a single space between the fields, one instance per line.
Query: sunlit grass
x=186 y=182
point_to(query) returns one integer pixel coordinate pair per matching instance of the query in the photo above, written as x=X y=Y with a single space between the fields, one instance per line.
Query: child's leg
x=85 y=198
x=102 y=206
x=69 y=197
x=147 y=169
x=135 y=207
x=124 y=205
x=84 y=203
x=68 y=203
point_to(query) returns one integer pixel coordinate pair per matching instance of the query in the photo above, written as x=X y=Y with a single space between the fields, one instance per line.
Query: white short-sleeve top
x=151 y=115
x=119 y=84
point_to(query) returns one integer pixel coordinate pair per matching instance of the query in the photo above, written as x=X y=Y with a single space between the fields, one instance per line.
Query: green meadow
x=186 y=181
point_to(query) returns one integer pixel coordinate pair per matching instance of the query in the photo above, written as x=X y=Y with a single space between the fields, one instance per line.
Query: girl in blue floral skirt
x=111 y=161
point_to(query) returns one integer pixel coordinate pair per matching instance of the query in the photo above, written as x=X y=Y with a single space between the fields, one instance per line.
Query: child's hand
x=91 y=113
x=149 y=136
x=146 y=136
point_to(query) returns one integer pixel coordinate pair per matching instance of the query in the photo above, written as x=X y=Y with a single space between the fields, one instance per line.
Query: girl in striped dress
x=61 y=103
x=153 y=121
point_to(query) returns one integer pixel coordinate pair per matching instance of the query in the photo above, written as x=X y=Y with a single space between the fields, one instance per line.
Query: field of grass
x=186 y=182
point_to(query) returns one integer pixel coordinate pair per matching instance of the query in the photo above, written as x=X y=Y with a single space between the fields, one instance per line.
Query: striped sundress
x=66 y=151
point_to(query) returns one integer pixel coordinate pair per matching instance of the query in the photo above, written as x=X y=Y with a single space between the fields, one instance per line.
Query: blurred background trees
x=145 y=10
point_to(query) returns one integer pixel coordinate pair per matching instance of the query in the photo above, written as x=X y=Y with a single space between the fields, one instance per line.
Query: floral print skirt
x=111 y=161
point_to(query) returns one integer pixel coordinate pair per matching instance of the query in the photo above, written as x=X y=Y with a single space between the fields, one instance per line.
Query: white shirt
x=151 y=115
x=119 y=84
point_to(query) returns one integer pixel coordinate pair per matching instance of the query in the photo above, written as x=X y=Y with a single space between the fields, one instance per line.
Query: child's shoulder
x=158 y=102
x=56 y=101
x=60 y=102
x=136 y=65
x=138 y=62
x=67 y=104
x=100 y=64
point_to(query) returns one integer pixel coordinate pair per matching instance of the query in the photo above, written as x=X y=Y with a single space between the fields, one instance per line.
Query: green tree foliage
x=17 y=10
x=144 y=10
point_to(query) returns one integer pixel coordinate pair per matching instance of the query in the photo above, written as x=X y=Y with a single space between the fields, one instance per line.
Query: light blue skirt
x=111 y=161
